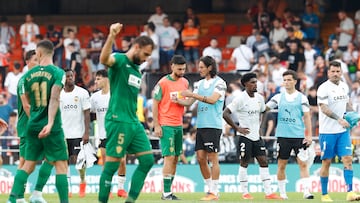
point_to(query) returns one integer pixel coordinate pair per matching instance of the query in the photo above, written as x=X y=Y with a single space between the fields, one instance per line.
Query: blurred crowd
x=279 y=40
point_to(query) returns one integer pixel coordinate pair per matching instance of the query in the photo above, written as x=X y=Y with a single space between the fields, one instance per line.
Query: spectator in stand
x=126 y=43
x=279 y=52
x=7 y=34
x=295 y=58
x=28 y=30
x=262 y=66
x=5 y=111
x=311 y=23
x=260 y=47
x=169 y=39
x=190 y=37
x=76 y=65
x=309 y=55
x=243 y=57
x=213 y=51
x=33 y=43
x=158 y=17
x=320 y=71
x=55 y=36
x=345 y=30
x=351 y=57
x=93 y=50
x=153 y=60
x=11 y=81
x=332 y=51
x=357 y=27
x=288 y=18
x=188 y=156
x=178 y=25
x=277 y=33
x=344 y=69
x=252 y=38
x=71 y=38
x=4 y=63
x=190 y=14
x=291 y=38
x=262 y=20
x=314 y=109
x=298 y=33
x=277 y=70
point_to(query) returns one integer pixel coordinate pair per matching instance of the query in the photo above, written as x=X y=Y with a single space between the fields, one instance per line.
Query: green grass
x=191 y=198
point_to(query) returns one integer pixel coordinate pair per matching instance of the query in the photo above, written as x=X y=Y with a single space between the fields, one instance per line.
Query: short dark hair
x=335 y=63
x=151 y=26
x=143 y=41
x=210 y=61
x=46 y=45
x=178 y=59
x=68 y=70
x=29 y=54
x=247 y=77
x=291 y=72
x=103 y=73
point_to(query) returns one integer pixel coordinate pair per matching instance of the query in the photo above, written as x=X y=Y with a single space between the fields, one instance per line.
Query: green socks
x=18 y=188
x=146 y=161
x=105 y=180
x=44 y=174
x=62 y=187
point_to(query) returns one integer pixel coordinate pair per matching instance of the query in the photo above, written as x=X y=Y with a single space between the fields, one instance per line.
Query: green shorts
x=122 y=138
x=22 y=147
x=53 y=147
x=171 y=140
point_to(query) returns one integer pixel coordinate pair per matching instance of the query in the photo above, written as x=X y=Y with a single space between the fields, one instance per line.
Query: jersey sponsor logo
x=70 y=107
x=134 y=81
x=253 y=112
x=288 y=120
x=340 y=97
x=100 y=110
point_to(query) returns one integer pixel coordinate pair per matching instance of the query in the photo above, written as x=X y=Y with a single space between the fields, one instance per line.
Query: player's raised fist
x=115 y=28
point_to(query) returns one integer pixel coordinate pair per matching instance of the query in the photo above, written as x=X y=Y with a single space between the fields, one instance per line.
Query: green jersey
x=22 y=117
x=38 y=84
x=125 y=80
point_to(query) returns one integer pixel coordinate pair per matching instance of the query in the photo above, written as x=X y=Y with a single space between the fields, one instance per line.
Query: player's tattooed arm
x=327 y=111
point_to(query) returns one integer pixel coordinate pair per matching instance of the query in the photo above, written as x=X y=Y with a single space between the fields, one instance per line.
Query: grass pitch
x=190 y=198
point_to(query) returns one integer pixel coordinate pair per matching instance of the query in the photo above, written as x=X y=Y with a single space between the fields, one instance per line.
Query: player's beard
x=179 y=75
x=137 y=60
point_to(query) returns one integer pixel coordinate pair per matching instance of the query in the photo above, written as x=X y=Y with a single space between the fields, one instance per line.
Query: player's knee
x=146 y=161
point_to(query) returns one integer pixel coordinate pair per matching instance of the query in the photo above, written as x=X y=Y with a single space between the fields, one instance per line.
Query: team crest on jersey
x=134 y=81
x=76 y=99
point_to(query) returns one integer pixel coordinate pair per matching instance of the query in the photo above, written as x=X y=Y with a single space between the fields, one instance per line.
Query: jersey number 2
x=40 y=91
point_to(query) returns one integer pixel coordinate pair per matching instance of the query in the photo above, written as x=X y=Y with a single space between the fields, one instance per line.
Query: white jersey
x=336 y=97
x=72 y=105
x=99 y=105
x=248 y=111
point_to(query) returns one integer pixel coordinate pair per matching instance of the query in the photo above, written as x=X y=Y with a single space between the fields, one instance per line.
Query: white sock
x=208 y=183
x=243 y=180
x=282 y=187
x=215 y=189
x=69 y=179
x=121 y=182
x=306 y=183
x=265 y=177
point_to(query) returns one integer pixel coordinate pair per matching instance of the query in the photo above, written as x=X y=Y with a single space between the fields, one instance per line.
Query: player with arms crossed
x=44 y=134
x=334 y=138
x=247 y=107
x=124 y=132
